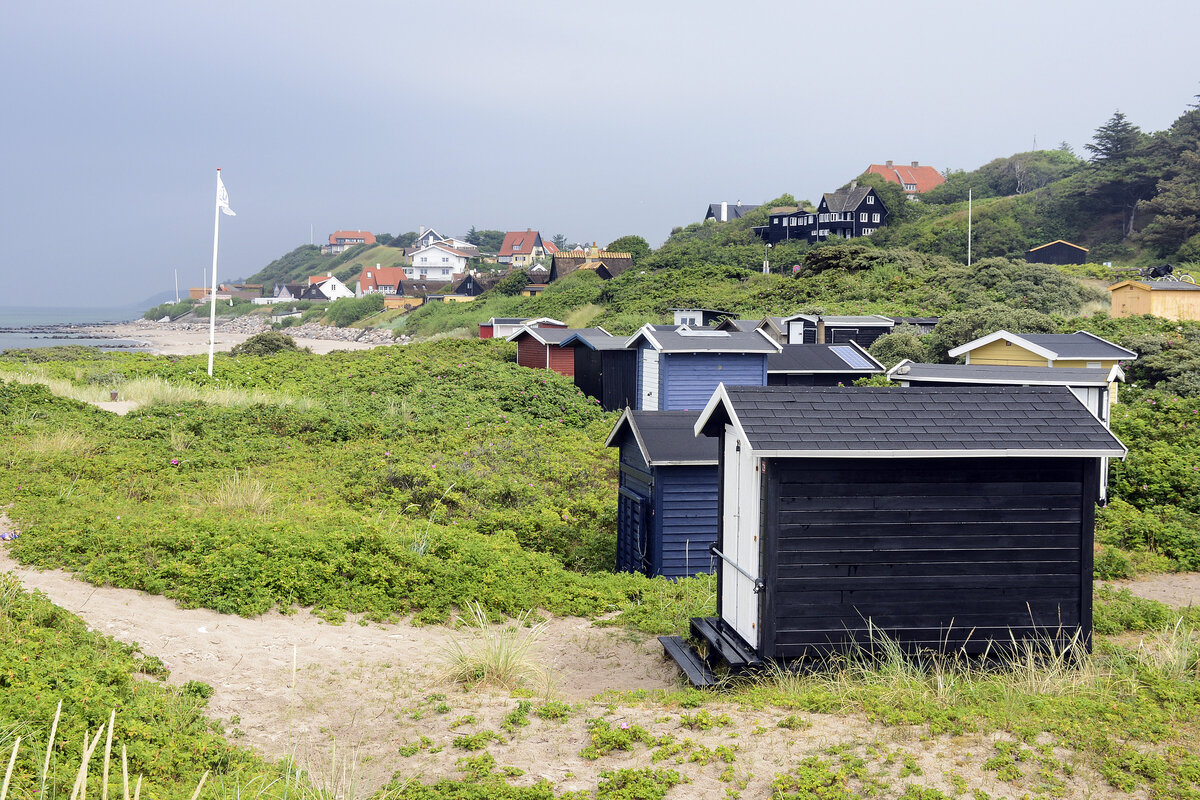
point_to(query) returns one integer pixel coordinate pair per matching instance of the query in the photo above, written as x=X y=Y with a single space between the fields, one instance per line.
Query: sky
x=593 y=120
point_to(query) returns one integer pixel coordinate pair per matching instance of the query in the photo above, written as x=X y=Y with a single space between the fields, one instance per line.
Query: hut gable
x=1079 y=349
x=607 y=264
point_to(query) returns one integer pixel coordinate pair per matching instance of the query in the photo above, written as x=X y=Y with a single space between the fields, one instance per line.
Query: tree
x=560 y=241
x=512 y=283
x=633 y=244
x=405 y=239
x=487 y=241
x=384 y=239
x=1176 y=208
x=904 y=341
x=1115 y=140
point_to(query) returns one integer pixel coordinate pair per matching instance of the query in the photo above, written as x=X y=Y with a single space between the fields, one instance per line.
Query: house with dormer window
x=847 y=213
x=522 y=248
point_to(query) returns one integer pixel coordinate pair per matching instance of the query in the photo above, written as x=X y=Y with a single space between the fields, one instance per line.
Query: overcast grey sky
x=593 y=120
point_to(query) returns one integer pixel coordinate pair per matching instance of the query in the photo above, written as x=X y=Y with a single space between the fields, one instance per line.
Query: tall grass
x=499 y=656
x=241 y=493
x=149 y=390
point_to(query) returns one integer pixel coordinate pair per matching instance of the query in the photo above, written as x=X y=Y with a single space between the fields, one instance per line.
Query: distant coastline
x=24 y=327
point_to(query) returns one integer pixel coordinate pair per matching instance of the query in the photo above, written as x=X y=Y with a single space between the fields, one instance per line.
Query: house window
x=867 y=231
x=910 y=187
x=516 y=247
x=870 y=200
x=445 y=259
x=774 y=222
x=423 y=259
x=862 y=217
x=874 y=218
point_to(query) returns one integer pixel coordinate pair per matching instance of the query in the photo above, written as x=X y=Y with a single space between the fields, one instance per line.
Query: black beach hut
x=945 y=518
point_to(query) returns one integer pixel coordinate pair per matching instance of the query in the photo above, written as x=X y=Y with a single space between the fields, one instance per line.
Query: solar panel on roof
x=851 y=356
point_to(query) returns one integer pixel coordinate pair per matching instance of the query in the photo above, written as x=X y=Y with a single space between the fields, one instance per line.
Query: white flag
x=223 y=198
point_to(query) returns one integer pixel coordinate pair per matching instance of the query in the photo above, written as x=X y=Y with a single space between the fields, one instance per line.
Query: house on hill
x=847 y=213
x=522 y=248
x=1057 y=252
x=914 y=178
x=330 y=287
x=667 y=500
x=341 y=241
x=724 y=212
x=438 y=261
x=1169 y=299
x=950 y=519
x=379 y=280
x=607 y=264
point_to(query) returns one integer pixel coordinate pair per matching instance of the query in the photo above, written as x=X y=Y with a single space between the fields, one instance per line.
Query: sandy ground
x=172 y=341
x=346 y=697
x=1174 y=589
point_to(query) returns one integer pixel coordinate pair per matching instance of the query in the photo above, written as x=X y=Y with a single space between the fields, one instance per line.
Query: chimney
x=421 y=231
x=888 y=163
x=916 y=163
x=724 y=211
x=328 y=274
x=853 y=184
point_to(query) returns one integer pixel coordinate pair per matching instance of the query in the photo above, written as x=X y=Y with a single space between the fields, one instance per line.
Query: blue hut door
x=740 y=540
x=633 y=541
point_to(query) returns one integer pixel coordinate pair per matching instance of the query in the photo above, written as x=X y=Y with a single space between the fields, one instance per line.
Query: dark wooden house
x=604 y=368
x=679 y=369
x=667 y=501
x=1057 y=252
x=944 y=518
x=847 y=213
x=821 y=365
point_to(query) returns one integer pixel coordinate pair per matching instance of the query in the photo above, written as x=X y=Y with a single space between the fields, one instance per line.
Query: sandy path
x=358 y=685
x=1173 y=588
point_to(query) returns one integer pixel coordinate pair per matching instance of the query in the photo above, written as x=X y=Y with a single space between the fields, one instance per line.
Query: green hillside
x=305 y=260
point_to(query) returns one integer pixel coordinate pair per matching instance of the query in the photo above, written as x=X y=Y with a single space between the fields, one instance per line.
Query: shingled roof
x=666 y=438
x=926 y=422
x=810 y=359
x=846 y=199
x=703 y=340
x=611 y=262
x=1078 y=346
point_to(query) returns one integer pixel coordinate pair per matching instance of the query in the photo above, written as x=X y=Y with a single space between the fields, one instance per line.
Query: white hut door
x=740 y=545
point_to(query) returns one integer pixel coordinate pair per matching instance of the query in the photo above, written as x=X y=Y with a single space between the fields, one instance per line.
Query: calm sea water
x=47 y=327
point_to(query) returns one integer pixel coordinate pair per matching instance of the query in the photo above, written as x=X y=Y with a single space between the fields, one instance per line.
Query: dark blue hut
x=667 y=503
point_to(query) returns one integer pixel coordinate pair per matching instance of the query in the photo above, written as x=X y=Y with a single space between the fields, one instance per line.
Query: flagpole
x=212 y=311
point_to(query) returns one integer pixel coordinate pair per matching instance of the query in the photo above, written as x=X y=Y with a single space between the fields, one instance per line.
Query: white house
x=437 y=261
x=331 y=287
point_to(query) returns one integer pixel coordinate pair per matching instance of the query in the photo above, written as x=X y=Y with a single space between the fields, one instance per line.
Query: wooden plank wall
x=936 y=552
x=685 y=520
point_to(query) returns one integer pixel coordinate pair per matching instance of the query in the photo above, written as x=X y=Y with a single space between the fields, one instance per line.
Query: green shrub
x=267 y=343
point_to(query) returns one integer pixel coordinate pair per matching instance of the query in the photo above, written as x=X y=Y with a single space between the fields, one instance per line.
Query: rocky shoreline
x=249 y=326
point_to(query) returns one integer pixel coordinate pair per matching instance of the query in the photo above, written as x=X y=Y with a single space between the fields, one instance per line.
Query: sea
x=47 y=327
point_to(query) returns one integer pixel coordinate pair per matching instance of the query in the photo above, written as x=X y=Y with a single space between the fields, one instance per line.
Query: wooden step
x=724 y=643
x=689 y=661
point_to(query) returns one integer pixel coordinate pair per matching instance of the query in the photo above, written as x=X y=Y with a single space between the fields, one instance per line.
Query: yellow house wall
x=1002 y=353
x=457 y=298
x=1175 y=305
x=401 y=302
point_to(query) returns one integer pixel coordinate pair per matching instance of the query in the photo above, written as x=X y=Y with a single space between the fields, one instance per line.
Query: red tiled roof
x=526 y=239
x=925 y=178
x=374 y=277
x=366 y=236
x=317 y=279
